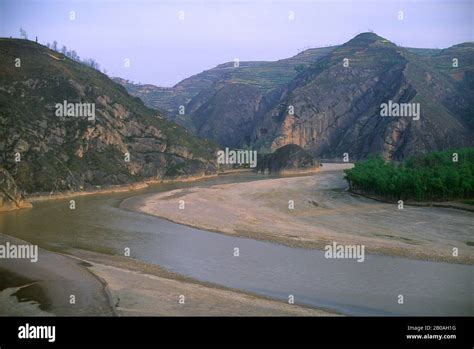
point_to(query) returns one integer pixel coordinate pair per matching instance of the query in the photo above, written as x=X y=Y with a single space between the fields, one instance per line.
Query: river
x=370 y=288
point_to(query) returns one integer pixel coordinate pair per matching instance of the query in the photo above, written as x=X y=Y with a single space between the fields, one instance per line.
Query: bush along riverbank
x=438 y=176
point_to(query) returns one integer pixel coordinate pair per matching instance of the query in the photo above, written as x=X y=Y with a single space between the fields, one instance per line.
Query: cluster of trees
x=444 y=175
x=73 y=55
x=23 y=34
x=90 y=62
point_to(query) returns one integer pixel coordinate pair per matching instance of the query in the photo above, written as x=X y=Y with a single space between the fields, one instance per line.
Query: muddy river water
x=370 y=288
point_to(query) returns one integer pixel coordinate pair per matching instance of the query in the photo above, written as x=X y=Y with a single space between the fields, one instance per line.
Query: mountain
x=261 y=75
x=337 y=109
x=223 y=103
x=228 y=115
x=44 y=150
x=462 y=75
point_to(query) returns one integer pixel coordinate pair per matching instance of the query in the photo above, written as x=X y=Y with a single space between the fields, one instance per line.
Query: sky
x=169 y=40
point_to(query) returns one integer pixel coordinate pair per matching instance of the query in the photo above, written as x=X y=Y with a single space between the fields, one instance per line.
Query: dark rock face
x=229 y=116
x=286 y=159
x=125 y=143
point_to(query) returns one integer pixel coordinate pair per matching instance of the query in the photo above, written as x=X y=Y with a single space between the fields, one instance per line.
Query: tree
x=92 y=63
x=430 y=177
x=23 y=34
x=73 y=55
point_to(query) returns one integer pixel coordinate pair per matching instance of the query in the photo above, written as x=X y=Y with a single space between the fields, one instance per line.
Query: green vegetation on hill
x=429 y=177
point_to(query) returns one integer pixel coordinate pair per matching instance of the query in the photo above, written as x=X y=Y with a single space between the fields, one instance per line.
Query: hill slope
x=58 y=153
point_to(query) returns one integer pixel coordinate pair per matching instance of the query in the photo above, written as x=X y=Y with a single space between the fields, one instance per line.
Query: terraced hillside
x=262 y=75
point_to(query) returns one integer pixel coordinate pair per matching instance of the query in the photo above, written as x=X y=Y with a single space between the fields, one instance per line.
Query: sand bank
x=113 y=285
x=139 y=288
x=323 y=212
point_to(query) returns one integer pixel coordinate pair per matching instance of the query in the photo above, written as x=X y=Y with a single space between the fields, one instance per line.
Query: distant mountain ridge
x=262 y=75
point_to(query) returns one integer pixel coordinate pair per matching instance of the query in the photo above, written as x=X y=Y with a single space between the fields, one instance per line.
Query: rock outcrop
x=11 y=197
x=288 y=159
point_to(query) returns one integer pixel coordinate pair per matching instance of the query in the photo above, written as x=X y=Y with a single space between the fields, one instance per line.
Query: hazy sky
x=163 y=49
